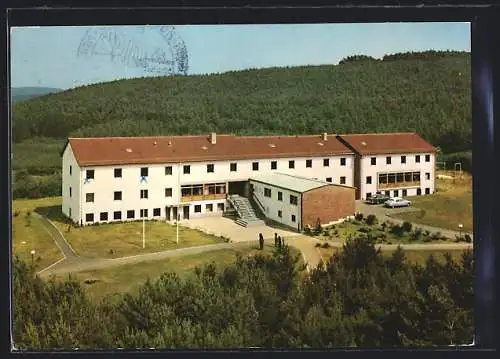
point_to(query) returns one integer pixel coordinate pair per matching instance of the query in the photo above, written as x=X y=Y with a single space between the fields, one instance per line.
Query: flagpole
x=143 y=233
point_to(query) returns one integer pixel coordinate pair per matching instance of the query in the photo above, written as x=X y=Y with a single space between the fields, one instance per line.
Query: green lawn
x=128 y=278
x=29 y=233
x=450 y=206
x=115 y=240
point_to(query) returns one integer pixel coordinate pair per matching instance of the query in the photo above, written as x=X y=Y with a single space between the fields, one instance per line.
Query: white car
x=397 y=202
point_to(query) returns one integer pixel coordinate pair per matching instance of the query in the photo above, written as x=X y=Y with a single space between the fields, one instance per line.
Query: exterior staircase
x=246 y=213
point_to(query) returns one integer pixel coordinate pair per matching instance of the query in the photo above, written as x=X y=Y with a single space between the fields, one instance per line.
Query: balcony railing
x=204 y=197
x=399 y=185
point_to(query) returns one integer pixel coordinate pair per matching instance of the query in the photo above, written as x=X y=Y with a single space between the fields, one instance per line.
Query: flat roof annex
x=387 y=143
x=293 y=183
x=105 y=151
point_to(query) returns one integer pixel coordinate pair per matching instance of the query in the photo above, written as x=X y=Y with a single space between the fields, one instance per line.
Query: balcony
x=206 y=197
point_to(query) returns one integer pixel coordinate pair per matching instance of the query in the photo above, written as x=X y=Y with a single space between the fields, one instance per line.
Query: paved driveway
x=222 y=226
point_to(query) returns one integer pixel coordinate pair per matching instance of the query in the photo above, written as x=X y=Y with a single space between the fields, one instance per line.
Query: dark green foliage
x=318 y=229
x=371 y=219
x=450 y=159
x=406 y=226
x=358 y=298
x=358 y=216
x=416 y=234
x=398 y=230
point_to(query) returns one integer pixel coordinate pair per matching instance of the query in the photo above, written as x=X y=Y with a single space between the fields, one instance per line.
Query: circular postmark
x=155 y=49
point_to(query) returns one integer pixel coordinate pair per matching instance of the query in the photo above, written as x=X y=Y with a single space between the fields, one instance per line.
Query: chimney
x=213 y=138
x=325 y=136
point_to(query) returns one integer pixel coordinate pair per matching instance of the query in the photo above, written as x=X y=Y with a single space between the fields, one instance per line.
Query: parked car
x=397 y=202
x=377 y=199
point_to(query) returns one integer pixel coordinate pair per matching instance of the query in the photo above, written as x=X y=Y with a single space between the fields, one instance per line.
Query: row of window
x=388 y=159
x=143 y=213
x=403 y=177
x=118 y=195
x=404 y=192
x=268 y=193
x=233 y=167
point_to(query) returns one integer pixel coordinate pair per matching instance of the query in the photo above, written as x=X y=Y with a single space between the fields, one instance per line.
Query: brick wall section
x=329 y=203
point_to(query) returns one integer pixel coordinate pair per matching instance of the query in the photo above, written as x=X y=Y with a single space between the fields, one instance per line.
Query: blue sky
x=57 y=57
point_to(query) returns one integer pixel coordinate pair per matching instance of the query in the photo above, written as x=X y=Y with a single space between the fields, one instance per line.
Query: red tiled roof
x=385 y=143
x=171 y=149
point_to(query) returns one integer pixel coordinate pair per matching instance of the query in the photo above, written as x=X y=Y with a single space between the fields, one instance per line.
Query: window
x=293 y=218
x=280 y=214
x=70 y=211
x=326 y=162
x=405 y=193
x=70 y=170
x=403 y=159
x=388 y=193
x=89 y=217
x=220 y=207
x=427 y=191
x=368 y=179
x=233 y=166
x=144 y=172
x=197 y=208
x=209 y=207
x=309 y=163
x=255 y=166
x=293 y=200
x=374 y=161
x=144 y=193
x=417 y=158
x=280 y=196
x=156 y=212
x=396 y=193
x=210 y=168
x=70 y=192
x=118 y=172
x=117 y=215
x=419 y=191
x=187 y=169
x=368 y=195
x=342 y=180
x=291 y=164
x=267 y=192
x=427 y=158
x=90 y=174
x=104 y=216
x=89 y=197
x=168 y=192
x=143 y=213
x=118 y=195
x=274 y=165
x=388 y=160
x=131 y=213
x=168 y=170
x=427 y=176
x=342 y=161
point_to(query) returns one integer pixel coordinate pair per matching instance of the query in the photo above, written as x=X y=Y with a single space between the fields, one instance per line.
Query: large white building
x=395 y=164
x=128 y=178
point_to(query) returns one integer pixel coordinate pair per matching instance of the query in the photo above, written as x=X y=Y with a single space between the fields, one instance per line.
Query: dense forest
x=426 y=92
x=358 y=299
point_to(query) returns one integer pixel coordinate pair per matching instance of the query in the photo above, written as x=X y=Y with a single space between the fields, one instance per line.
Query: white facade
x=422 y=163
x=281 y=211
x=94 y=200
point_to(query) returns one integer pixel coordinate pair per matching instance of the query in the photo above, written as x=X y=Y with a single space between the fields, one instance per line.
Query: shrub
x=371 y=219
x=364 y=230
x=16 y=213
x=407 y=226
x=111 y=251
x=307 y=230
x=397 y=231
x=326 y=245
x=416 y=235
x=436 y=236
x=318 y=229
x=356 y=222
x=427 y=239
x=358 y=216
x=317 y=244
x=427 y=233
x=332 y=227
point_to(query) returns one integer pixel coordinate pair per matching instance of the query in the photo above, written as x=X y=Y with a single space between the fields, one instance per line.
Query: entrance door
x=185 y=212
x=167 y=213
x=174 y=213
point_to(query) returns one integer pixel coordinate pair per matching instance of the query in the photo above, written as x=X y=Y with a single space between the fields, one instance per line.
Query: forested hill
x=424 y=92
